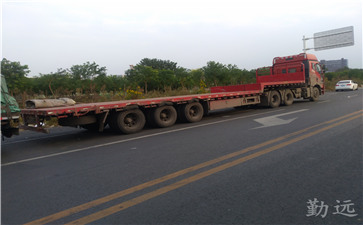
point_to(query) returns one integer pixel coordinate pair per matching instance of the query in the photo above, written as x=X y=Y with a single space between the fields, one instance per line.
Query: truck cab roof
x=294 y=58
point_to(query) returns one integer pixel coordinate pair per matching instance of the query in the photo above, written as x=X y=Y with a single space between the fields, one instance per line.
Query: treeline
x=148 y=75
x=346 y=73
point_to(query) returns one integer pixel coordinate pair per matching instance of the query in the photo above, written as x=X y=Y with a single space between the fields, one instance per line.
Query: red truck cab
x=303 y=68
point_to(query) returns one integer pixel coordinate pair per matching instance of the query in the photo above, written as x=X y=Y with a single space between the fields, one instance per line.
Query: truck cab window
x=313 y=66
x=292 y=70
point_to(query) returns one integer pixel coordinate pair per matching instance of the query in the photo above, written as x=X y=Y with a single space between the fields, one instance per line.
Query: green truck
x=10 y=112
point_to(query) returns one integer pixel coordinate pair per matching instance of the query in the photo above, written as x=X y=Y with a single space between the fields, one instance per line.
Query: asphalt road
x=300 y=164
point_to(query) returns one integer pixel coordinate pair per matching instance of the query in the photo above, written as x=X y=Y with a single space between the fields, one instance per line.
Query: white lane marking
x=133 y=139
x=270 y=121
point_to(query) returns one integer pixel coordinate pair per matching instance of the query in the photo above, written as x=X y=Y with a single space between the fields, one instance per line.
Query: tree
x=183 y=77
x=15 y=75
x=143 y=75
x=215 y=73
x=159 y=64
x=153 y=74
x=235 y=74
x=116 y=83
x=239 y=76
x=87 y=71
x=58 y=83
x=197 y=75
x=166 y=78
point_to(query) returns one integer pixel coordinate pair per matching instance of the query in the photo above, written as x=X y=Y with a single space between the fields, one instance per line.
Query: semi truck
x=10 y=112
x=289 y=78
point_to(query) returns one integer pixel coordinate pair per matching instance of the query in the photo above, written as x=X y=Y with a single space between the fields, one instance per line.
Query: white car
x=346 y=85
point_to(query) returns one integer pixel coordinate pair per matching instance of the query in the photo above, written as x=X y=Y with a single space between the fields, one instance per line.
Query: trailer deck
x=99 y=107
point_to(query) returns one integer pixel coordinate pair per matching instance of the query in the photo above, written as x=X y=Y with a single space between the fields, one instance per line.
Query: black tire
x=275 y=99
x=315 y=95
x=192 y=112
x=6 y=132
x=164 y=116
x=128 y=122
x=289 y=97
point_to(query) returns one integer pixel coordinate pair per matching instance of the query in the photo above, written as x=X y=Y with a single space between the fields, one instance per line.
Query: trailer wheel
x=289 y=97
x=164 y=116
x=6 y=131
x=275 y=99
x=192 y=112
x=315 y=95
x=130 y=121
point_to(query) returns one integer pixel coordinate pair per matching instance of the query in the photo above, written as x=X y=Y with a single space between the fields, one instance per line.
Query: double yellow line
x=142 y=198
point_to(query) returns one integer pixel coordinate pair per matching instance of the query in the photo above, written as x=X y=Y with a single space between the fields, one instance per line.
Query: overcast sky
x=51 y=34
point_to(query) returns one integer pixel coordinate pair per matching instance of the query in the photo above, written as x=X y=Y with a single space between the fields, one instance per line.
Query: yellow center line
x=124 y=205
x=128 y=191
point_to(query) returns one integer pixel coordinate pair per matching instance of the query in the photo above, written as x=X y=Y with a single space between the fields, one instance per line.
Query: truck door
x=320 y=75
x=316 y=76
x=307 y=71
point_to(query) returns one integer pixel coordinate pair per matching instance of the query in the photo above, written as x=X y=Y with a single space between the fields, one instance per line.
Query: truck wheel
x=164 y=116
x=275 y=99
x=289 y=97
x=192 y=112
x=130 y=121
x=315 y=95
x=6 y=132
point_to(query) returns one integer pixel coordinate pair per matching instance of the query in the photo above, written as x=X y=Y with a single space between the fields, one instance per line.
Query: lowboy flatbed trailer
x=191 y=108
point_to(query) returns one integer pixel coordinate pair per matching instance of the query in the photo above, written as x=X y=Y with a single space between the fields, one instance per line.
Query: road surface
x=300 y=164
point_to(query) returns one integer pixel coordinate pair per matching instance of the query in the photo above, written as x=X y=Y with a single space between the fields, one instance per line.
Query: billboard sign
x=336 y=38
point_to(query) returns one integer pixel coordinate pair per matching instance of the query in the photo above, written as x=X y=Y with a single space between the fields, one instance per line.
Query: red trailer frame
x=210 y=101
